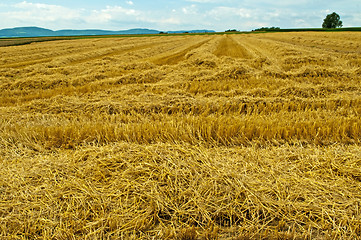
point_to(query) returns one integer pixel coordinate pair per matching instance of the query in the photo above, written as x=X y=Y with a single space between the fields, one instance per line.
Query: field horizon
x=228 y=136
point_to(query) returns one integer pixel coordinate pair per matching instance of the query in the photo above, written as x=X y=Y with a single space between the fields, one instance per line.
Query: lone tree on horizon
x=332 y=21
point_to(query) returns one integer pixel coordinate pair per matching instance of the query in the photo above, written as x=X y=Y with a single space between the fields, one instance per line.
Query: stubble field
x=246 y=136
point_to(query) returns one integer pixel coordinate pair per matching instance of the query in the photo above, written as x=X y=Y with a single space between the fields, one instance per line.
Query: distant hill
x=42 y=32
x=25 y=32
x=192 y=31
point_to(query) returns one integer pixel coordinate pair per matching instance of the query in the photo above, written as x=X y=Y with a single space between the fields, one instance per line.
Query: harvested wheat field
x=244 y=136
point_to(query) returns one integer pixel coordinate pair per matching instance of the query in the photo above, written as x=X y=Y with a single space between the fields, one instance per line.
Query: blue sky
x=169 y=15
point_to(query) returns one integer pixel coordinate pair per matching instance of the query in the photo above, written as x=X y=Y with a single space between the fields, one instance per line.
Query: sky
x=218 y=15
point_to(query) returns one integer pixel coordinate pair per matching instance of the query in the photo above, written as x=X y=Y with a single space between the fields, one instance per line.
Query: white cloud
x=47 y=11
x=190 y=9
x=114 y=17
x=131 y=3
x=59 y=17
x=36 y=14
x=326 y=11
x=229 y=12
x=119 y=11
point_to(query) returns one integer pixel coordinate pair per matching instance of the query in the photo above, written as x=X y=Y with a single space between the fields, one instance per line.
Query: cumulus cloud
x=44 y=11
x=120 y=11
x=226 y=12
x=190 y=9
x=58 y=17
x=37 y=14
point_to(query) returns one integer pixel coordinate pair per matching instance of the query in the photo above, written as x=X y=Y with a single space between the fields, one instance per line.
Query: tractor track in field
x=176 y=55
x=228 y=47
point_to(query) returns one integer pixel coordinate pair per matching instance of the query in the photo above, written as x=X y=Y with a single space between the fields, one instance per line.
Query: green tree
x=332 y=21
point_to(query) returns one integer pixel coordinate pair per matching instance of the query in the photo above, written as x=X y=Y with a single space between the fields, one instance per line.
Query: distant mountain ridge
x=43 y=32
